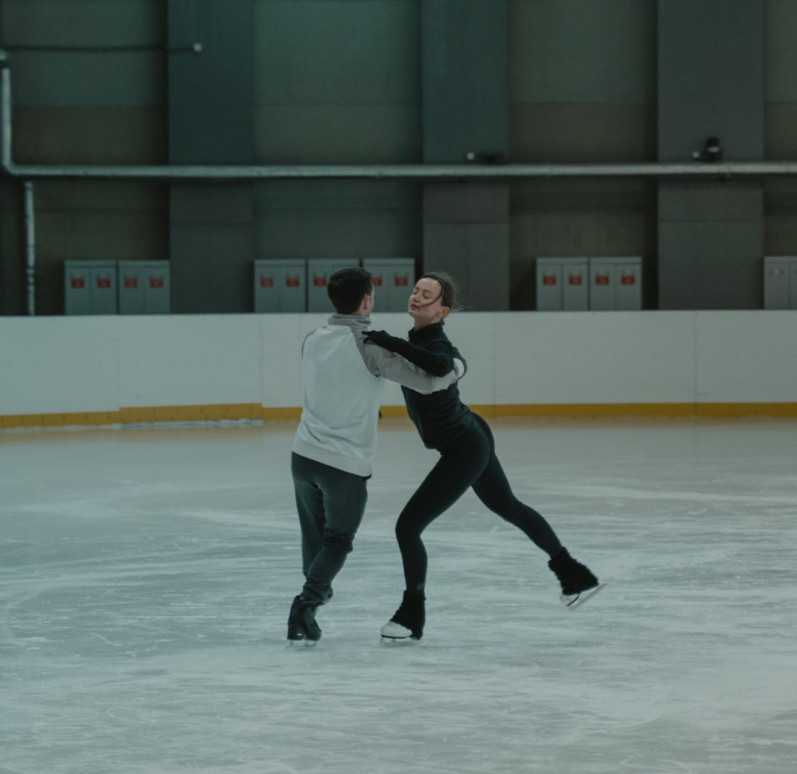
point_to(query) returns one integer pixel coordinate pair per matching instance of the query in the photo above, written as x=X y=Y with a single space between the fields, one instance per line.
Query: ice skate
x=578 y=583
x=407 y=623
x=576 y=600
x=302 y=626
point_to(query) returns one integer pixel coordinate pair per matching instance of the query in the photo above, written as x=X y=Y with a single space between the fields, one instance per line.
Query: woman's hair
x=347 y=287
x=448 y=288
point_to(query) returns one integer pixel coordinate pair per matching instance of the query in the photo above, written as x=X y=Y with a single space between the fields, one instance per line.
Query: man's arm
x=392 y=366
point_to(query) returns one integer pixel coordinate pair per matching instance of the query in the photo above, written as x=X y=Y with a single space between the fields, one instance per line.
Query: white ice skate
x=407 y=622
x=576 y=600
x=393 y=633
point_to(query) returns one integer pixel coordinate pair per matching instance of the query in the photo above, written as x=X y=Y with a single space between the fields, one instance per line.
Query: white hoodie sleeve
x=391 y=366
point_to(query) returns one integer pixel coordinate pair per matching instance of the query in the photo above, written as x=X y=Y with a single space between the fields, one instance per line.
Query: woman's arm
x=435 y=363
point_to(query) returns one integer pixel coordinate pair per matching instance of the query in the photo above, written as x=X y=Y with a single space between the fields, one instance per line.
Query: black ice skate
x=578 y=583
x=408 y=621
x=302 y=626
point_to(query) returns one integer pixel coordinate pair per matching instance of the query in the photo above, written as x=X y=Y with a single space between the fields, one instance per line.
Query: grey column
x=710 y=84
x=3 y=253
x=210 y=122
x=465 y=112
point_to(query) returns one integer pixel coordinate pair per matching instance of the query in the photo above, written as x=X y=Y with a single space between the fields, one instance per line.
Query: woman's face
x=425 y=305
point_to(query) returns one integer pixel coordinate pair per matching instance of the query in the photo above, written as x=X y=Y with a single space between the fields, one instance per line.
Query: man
x=335 y=442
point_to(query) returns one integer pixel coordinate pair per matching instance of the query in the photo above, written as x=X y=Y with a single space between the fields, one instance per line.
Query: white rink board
x=91 y=364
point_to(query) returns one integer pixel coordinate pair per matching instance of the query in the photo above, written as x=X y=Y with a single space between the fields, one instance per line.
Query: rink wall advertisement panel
x=60 y=371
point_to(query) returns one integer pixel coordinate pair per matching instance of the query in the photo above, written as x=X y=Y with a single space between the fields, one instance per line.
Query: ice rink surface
x=147 y=575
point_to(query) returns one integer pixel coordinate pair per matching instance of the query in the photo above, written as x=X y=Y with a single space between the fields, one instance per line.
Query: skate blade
x=397 y=641
x=576 y=600
x=302 y=643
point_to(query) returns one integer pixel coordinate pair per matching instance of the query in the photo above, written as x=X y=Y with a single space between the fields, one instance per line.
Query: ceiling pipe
x=416 y=172
x=406 y=172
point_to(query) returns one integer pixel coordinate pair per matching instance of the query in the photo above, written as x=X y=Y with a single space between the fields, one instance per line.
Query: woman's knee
x=406 y=530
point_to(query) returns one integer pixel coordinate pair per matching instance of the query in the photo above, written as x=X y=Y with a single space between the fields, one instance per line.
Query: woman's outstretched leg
x=494 y=491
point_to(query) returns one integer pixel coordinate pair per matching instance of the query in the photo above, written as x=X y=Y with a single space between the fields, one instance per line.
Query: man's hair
x=347 y=287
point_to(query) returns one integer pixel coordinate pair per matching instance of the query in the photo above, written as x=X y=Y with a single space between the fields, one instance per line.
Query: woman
x=467 y=459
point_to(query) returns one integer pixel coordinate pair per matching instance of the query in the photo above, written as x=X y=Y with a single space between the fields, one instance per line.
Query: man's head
x=348 y=287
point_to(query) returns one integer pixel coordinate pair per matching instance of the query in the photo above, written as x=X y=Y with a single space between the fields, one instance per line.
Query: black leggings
x=469 y=461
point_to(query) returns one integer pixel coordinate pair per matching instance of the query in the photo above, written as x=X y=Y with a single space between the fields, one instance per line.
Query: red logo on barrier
x=267 y=282
x=131 y=282
x=292 y=282
x=104 y=283
x=156 y=283
x=376 y=281
x=401 y=282
x=602 y=279
x=320 y=282
x=77 y=283
x=550 y=280
x=628 y=279
x=575 y=279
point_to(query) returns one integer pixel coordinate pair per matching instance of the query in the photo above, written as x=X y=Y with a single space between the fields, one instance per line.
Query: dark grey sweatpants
x=331 y=504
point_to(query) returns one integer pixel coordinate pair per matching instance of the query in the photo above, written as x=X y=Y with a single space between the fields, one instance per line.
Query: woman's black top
x=440 y=417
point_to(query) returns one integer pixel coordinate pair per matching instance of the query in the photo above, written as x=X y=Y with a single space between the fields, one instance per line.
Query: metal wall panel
x=793 y=286
x=780 y=282
x=144 y=287
x=615 y=284
x=210 y=82
x=210 y=121
x=575 y=284
x=549 y=285
x=280 y=286
x=393 y=280
x=104 y=289
x=465 y=78
x=714 y=264
x=563 y=284
x=90 y=287
x=704 y=90
x=711 y=57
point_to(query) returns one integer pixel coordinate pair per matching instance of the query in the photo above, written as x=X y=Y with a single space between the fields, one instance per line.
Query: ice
x=147 y=576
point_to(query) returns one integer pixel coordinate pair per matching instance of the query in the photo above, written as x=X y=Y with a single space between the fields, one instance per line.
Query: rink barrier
x=128 y=370
x=254 y=412
x=152 y=415
x=667 y=410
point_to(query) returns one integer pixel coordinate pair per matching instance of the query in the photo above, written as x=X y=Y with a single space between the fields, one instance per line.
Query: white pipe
x=5 y=119
x=419 y=172
x=30 y=247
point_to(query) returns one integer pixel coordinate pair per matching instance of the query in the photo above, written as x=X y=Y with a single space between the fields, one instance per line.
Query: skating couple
x=345 y=365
